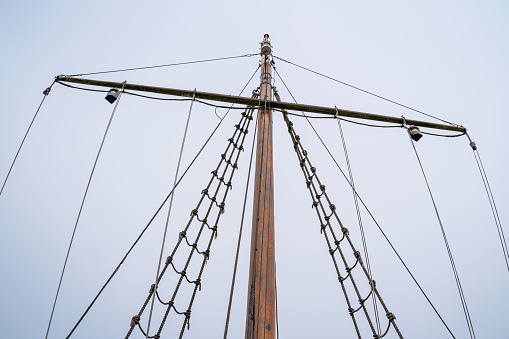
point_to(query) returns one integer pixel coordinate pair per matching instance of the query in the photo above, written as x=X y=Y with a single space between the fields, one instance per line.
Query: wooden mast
x=261 y=310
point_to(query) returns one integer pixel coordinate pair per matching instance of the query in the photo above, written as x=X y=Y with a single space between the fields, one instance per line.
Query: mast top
x=266 y=48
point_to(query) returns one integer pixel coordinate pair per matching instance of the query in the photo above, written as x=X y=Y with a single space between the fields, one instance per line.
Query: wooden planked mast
x=261 y=310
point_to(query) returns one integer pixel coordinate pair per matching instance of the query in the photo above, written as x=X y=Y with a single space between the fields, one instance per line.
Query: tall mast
x=260 y=322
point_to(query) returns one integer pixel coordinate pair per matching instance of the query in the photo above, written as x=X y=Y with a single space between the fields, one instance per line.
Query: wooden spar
x=255 y=102
x=261 y=310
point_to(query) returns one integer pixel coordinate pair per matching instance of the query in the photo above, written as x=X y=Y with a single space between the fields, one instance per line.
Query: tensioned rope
x=317 y=192
x=368 y=272
x=367 y=92
x=165 y=65
x=359 y=218
x=489 y=193
x=361 y=227
x=169 y=212
x=374 y=220
x=456 y=276
x=81 y=208
x=234 y=275
x=45 y=92
x=154 y=215
x=207 y=216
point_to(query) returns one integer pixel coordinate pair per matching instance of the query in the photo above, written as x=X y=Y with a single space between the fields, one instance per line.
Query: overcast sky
x=446 y=58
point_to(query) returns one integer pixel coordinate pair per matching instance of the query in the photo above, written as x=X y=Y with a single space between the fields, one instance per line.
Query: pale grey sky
x=447 y=58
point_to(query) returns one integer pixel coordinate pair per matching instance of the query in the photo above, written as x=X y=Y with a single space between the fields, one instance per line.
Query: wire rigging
x=361 y=227
x=81 y=208
x=165 y=65
x=45 y=92
x=156 y=283
x=491 y=199
x=351 y=182
x=234 y=275
x=449 y=252
x=145 y=229
x=373 y=217
x=203 y=215
x=367 y=92
x=153 y=216
x=317 y=192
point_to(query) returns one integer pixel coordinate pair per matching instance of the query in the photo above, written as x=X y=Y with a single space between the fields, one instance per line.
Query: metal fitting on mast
x=266 y=50
x=266 y=47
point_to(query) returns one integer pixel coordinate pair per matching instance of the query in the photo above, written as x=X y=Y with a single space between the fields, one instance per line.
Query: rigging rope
x=230 y=299
x=166 y=65
x=145 y=229
x=491 y=200
x=364 y=244
x=456 y=276
x=81 y=207
x=227 y=163
x=154 y=215
x=156 y=283
x=372 y=217
x=45 y=92
x=333 y=244
x=367 y=92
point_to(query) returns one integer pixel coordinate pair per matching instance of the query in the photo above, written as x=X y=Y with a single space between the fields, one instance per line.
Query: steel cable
x=165 y=65
x=45 y=92
x=146 y=227
x=230 y=299
x=491 y=200
x=449 y=252
x=154 y=216
x=367 y=92
x=374 y=220
x=364 y=244
x=492 y=205
x=169 y=212
x=81 y=208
